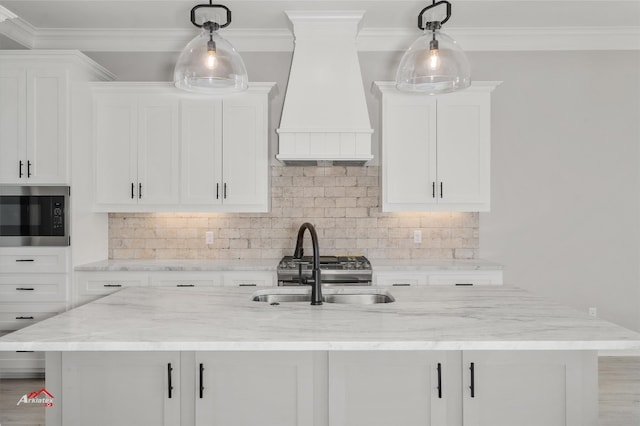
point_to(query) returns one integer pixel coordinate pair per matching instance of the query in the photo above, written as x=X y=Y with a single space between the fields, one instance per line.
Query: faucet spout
x=316 y=285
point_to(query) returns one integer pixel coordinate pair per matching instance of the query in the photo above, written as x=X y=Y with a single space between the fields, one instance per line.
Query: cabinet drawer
x=15 y=316
x=249 y=279
x=33 y=288
x=33 y=260
x=399 y=279
x=186 y=279
x=101 y=284
x=466 y=278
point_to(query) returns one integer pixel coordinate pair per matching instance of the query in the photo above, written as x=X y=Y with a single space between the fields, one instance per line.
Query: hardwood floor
x=619 y=396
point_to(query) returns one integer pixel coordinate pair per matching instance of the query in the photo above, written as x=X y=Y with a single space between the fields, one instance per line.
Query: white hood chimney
x=325 y=117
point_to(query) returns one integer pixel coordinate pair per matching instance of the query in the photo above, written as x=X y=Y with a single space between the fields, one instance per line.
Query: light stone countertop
x=421 y=318
x=271 y=265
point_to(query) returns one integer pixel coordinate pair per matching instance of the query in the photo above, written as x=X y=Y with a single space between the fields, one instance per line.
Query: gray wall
x=565 y=218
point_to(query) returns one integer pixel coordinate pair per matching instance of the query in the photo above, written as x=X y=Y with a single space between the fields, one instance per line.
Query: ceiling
x=261 y=25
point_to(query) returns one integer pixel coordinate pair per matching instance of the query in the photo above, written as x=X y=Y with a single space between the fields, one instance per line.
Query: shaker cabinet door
x=123 y=388
x=116 y=156
x=550 y=388
x=201 y=163
x=251 y=388
x=13 y=126
x=385 y=388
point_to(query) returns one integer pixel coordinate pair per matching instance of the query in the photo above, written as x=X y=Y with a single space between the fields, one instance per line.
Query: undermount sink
x=359 y=298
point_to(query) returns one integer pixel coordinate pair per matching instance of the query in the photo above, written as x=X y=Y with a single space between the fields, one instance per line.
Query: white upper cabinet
x=33 y=124
x=137 y=147
x=436 y=149
x=159 y=149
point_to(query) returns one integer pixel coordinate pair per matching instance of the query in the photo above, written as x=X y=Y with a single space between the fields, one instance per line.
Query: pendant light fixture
x=434 y=63
x=209 y=63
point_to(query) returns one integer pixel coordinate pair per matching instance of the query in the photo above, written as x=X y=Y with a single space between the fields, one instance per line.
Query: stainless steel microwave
x=34 y=215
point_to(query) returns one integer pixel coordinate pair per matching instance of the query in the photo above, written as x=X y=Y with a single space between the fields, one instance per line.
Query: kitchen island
x=213 y=356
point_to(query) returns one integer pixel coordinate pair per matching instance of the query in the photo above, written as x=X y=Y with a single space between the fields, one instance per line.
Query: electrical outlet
x=593 y=311
x=208 y=237
x=417 y=236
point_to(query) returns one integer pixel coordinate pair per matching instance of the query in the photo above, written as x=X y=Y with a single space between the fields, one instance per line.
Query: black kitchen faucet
x=316 y=285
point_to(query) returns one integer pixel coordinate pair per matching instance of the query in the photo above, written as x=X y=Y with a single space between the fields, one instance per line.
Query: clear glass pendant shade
x=207 y=67
x=433 y=67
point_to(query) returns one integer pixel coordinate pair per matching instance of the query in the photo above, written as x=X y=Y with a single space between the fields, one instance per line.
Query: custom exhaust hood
x=324 y=117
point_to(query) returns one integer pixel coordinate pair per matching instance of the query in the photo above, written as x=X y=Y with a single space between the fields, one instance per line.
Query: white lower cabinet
x=394 y=388
x=93 y=285
x=250 y=389
x=120 y=388
x=336 y=388
x=546 y=388
x=438 y=277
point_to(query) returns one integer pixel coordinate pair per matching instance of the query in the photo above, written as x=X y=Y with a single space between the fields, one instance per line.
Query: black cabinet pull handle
x=439 y=380
x=112 y=285
x=25 y=260
x=464 y=284
x=247 y=285
x=433 y=190
x=441 y=191
x=139 y=190
x=28 y=169
x=132 y=186
x=25 y=288
x=224 y=191
x=185 y=285
x=401 y=285
x=24 y=318
x=24 y=351
x=169 y=385
x=217 y=191
x=201 y=381
x=473 y=380
x=20 y=164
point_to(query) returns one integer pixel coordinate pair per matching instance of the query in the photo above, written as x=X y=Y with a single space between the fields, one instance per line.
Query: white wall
x=565 y=181
x=565 y=217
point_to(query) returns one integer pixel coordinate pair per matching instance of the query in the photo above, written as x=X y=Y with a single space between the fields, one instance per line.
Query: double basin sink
x=354 y=297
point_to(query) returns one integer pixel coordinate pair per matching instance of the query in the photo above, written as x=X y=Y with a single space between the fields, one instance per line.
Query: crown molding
x=6 y=14
x=19 y=31
x=368 y=40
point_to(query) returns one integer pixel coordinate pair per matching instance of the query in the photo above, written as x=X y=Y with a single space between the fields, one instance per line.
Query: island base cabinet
x=394 y=388
x=120 y=388
x=535 y=388
x=250 y=389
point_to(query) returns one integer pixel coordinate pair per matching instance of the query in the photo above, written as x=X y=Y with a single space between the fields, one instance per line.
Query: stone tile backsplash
x=342 y=203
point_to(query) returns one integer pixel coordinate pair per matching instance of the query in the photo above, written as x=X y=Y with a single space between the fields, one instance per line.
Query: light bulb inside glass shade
x=426 y=69
x=201 y=68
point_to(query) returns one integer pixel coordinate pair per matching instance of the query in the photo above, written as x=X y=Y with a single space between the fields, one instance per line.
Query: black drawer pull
x=473 y=380
x=25 y=260
x=401 y=285
x=25 y=351
x=201 y=381
x=247 y=285
x=185 y=285
x=113 y=285
x=169 y=385
x=464 y=284
x=439 y=380
x=25 y=318
x=25 y=288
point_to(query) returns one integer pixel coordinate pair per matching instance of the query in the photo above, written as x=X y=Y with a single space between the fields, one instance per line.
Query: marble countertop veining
x=421 y=318
x=154 y=265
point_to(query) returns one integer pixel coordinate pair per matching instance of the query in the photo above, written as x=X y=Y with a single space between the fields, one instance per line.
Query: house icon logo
x=42 y=396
